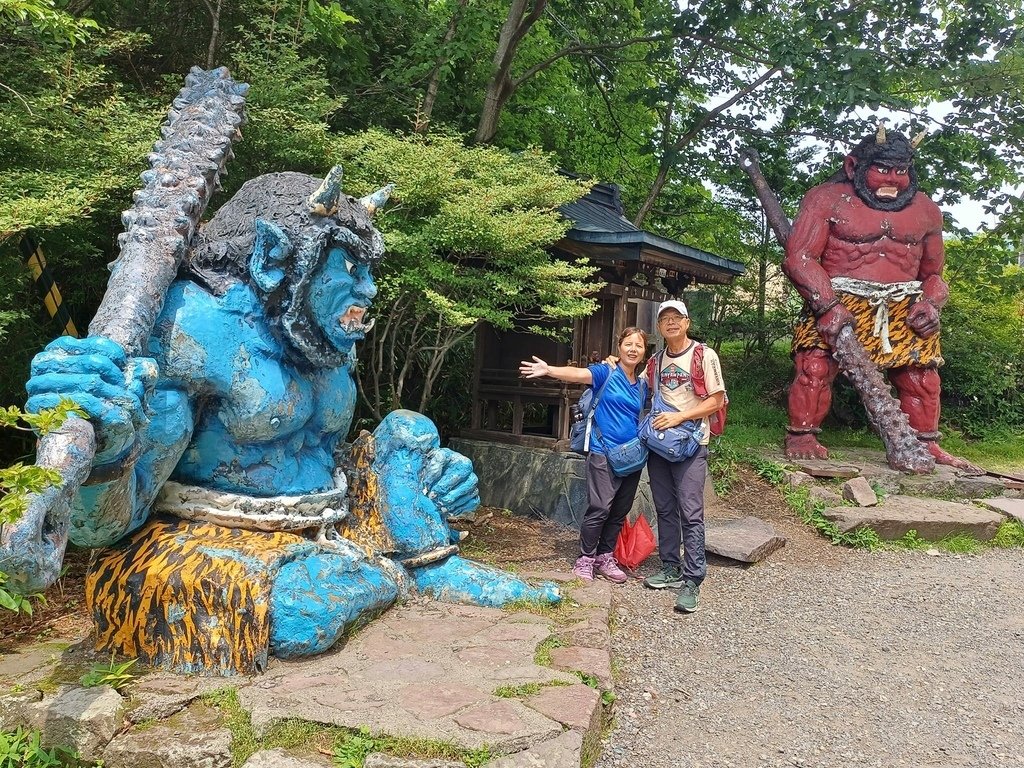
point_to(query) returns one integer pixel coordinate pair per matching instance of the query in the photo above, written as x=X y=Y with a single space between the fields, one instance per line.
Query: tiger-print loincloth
x=907 y=347
x=191 y=597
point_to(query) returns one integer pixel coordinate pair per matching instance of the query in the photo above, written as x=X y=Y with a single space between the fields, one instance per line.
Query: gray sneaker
x=666 y=578
x=686 y=600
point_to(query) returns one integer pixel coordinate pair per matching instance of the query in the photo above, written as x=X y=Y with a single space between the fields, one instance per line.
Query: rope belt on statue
x=879 y=296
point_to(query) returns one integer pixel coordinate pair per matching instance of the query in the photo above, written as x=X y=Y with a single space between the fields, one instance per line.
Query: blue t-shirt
x=618 y=410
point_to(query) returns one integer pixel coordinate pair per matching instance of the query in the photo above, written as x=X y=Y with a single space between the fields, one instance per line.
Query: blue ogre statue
x=233 y=519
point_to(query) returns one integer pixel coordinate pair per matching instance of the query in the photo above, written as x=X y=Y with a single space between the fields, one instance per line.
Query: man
x=678 y=487
x=866 y=251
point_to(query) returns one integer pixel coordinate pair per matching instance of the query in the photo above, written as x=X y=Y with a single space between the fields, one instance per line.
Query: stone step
x=933 y=519
x=1010 y=507
x=746 y=539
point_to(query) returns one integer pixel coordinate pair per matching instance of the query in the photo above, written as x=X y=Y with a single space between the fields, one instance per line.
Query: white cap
x=678 y=306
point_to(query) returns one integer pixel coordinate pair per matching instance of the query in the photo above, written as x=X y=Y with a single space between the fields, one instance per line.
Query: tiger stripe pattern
x=907 y=347
x=191 y=597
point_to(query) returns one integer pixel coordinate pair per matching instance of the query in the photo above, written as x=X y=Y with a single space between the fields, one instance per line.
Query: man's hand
x=534 y=370
x=108 y=385
x=923 y=319
x=832 y=322
x=667 y=420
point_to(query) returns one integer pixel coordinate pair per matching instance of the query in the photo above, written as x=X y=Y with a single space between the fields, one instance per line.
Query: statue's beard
x=898 y=203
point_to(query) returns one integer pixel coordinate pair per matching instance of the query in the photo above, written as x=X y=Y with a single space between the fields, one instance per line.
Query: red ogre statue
x=866 y=250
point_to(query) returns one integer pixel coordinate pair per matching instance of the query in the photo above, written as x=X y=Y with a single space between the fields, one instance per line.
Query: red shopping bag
x=635 y=544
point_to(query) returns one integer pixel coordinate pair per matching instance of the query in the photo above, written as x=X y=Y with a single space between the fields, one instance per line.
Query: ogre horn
x=372 y=202
x=880 y=135
x=916 y=141
x=325 y=200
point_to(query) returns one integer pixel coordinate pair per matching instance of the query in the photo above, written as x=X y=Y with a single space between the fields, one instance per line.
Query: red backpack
x=700 y=388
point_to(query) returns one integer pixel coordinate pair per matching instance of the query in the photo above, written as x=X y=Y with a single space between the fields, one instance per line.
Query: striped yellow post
x=32 y=254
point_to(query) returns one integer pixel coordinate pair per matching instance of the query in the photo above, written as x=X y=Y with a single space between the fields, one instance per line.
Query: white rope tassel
x=881 y=328
x=879 y=296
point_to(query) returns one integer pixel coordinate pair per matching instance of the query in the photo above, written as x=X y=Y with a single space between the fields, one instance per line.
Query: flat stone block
x=279 y=758
x=796 y=479
x=381 y=760
x=597 y=593
x=938 y=483
x=590 y=661
x=825 y=468
x=565 y=751
x=933 y=519
x=429 y=701
x=194 y=741
x=1012 y=507
x=83 y=718
x=982 y=485
x=746 y=539
x=825 y=495
x=859 y=491
x=493 y=717
x=575 y=706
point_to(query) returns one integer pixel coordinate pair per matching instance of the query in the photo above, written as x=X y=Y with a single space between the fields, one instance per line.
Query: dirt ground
x=498 y=537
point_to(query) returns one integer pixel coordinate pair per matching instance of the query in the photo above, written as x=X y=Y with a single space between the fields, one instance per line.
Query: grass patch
x=960 y=543
x=811 y=511
x=723 y=466
x=351 y=748
x=560 y=613
x=542 y=656
x=348 y=747
x=1009 y=536
x=244 y=741
x=526 y=689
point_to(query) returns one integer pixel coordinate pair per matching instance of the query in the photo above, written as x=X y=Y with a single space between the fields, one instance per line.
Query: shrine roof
x=601 y=232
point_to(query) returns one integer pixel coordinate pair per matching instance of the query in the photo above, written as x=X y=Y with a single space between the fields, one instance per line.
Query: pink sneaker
x=584 y=568
x=606 y=566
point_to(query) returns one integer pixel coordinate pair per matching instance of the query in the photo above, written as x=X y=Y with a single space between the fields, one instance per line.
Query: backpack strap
x=700 y=387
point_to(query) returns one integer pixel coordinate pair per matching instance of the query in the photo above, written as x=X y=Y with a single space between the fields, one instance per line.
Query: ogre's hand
x=98 y=375
x=449 y=479
x=923 y=319
x=832 y=322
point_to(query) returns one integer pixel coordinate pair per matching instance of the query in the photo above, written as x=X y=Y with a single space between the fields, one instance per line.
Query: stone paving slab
x=590 y=661
x=279 y=758
x=746 y=539
x=190 y=740
x=1011 y=507
x=575 y=706
x=933 y=519
x=560 y=752
x=424 y=670
x=30 y=665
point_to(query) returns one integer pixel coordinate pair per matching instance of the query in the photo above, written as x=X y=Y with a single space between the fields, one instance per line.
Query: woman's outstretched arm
x=569 y=373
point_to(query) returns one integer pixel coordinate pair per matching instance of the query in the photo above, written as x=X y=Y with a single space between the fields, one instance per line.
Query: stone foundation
x=537 y=482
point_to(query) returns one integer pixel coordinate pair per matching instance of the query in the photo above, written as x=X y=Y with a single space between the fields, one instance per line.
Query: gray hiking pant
x=609 y=499
x=678 y=491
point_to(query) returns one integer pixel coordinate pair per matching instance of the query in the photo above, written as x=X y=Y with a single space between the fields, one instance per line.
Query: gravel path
x=885 y=659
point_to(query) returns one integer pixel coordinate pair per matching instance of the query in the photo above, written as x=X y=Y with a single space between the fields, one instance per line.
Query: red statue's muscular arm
x=923 y=318
x=802 y=265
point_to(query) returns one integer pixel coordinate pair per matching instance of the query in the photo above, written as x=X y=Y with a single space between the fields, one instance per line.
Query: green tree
x=465 y=234
x=983 y=324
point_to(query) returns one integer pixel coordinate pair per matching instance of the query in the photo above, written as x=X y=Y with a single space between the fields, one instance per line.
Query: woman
x=615 y=418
